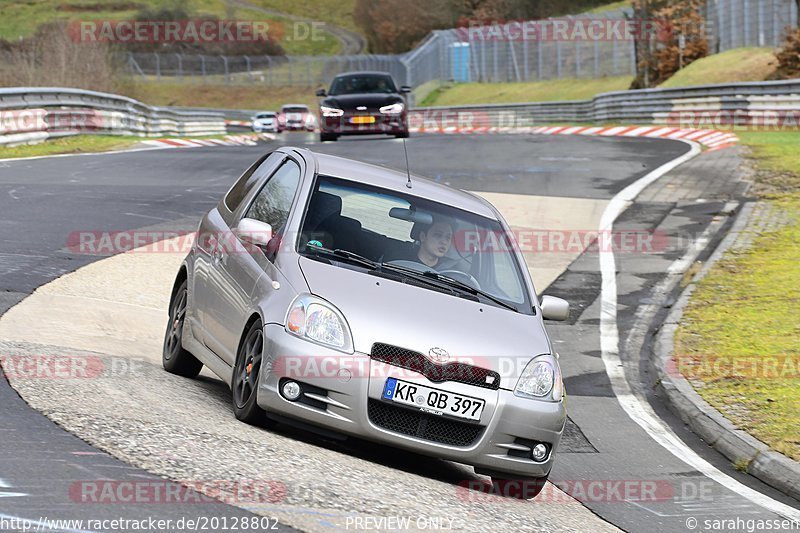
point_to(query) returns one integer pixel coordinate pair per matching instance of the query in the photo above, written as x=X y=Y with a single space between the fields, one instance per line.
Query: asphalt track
x=45 y=200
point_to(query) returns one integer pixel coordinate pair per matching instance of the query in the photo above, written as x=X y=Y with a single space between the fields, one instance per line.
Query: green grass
x=70 y=145
x=534 y=91
x=745 y=310
x=609 y=7
x=740 y=64
x=20 y=18
x=221 y=96
x=338 y=12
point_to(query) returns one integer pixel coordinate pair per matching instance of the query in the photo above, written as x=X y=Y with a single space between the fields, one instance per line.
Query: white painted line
x=636 y=408
x=4 y=484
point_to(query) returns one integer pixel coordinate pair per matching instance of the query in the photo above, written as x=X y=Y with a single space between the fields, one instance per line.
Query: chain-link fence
x=737 y=23
x=525 y=51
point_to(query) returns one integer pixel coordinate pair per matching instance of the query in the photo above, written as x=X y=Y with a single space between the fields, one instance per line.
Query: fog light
x=539 y=452
x=291 y=390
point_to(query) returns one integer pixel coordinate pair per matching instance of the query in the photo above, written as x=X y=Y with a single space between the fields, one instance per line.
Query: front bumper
x=383 y=124
x=353 y=405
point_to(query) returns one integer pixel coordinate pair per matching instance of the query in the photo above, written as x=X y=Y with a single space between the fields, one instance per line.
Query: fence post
x=539 y=57
x=249 y=70
x=225 y=64
x=577 y=58
x=526 y=67
x=596 y=58
x=180 y=66
x=203 y=66
x=158 y=66
x=494 y=62
x=746 y=19
x=558 y=59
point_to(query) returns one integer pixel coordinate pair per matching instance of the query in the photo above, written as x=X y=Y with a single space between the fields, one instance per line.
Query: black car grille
x=459 y=372
x=422 y=425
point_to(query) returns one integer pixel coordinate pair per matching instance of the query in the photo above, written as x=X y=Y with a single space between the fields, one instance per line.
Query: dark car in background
x=296 y=117
x=363 y=103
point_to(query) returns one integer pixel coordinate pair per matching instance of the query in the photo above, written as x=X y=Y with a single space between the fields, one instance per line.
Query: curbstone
x=737 y=445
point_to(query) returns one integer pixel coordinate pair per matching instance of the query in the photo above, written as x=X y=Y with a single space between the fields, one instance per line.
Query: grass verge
x=80 y=144
x=533 y=91
x=739 y=339
x=70 y=145
x=740 y=64
x=257 y=97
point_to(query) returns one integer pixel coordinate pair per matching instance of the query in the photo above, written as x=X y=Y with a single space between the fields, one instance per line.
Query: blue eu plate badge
x=388 y=389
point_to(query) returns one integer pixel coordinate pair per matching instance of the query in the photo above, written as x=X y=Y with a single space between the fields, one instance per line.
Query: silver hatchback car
x=348 y=297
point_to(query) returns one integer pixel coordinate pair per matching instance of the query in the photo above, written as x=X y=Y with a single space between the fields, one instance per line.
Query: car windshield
x=265 y=115
x=412 y=236
x=361 y=84
x=295 y=109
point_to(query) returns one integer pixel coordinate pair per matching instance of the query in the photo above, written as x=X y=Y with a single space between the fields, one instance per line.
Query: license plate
x=362 y=120
x=434 y=401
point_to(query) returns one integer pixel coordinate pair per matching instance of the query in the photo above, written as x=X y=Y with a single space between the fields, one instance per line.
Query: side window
x=248 y=180
x=274 y=201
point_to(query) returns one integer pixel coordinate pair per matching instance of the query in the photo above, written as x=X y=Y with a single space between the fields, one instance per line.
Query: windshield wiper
x=450 y=282
x=347 y=255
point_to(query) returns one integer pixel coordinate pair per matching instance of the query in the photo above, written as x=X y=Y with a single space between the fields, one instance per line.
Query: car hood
x=370 y=100
x=390 y=312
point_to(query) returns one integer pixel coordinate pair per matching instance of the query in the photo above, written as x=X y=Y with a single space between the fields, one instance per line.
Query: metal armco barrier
x=33 y=114
x=739 y=104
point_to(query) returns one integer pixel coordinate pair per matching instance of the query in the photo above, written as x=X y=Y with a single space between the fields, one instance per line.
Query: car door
x=238 y=267
x=211 y=237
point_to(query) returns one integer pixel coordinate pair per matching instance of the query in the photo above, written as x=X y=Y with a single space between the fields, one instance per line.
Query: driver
x=435 y=241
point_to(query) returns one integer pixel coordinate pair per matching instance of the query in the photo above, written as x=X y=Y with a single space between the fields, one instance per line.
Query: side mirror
x=405 y=89
x=255 y=232
x=320 y=92
x=554 y=308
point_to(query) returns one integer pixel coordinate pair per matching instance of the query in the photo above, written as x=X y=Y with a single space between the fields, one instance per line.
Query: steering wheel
x=462 y=277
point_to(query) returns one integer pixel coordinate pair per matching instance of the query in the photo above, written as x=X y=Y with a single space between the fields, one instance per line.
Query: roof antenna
x=408 y=170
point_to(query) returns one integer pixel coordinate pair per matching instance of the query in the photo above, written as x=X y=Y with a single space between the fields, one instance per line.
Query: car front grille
x=422 y=425
x=458 y=372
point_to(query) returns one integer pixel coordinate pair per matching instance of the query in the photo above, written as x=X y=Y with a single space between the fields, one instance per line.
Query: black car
x=363 y=103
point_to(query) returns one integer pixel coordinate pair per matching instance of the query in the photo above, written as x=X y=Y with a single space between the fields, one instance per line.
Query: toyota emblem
x=439 y=355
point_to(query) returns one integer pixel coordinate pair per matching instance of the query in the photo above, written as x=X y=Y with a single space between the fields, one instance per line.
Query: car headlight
x=315 y=319
x=392 y=109
x=330 y=111
x=540 y=379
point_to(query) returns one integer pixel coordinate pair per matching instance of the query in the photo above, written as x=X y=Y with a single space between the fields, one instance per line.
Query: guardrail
x=775 y=103
x=33 y=114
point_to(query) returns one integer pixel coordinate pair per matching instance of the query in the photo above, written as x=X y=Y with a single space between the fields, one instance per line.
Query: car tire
x=174 y=357
x=323 y=137
x=519 y=489
x=403 y=135
x=244 y=382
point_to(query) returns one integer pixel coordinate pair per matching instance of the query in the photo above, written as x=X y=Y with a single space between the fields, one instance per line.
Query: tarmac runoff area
x=112 y=313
